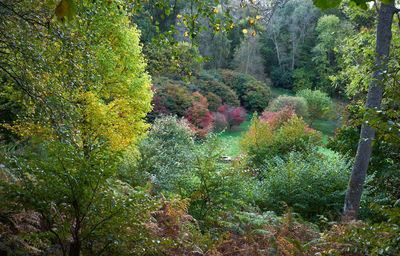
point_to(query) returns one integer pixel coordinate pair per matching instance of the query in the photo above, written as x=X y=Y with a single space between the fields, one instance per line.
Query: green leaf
x=326 y=4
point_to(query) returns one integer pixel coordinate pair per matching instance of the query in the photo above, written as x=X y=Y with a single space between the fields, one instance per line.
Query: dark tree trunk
x=374 y=98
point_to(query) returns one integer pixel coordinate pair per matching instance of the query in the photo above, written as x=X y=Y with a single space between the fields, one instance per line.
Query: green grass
x=231 y=139
x=275 y=92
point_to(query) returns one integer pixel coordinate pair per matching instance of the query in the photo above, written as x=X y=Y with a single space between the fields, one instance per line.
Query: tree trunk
x=374 y=98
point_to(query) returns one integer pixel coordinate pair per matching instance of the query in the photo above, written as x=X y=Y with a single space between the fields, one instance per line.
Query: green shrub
x=360 y=238
x=298 y=103
x=179 y=60
x=302 y=79
x=264 y=140
x=384 y=165
x=226 y=94
x=256 y=96
x=281 y=79
x=216 y=187
x=165 y=157
x=316 y=100
x=55 y=186
x=214 y=101
x=311 y=183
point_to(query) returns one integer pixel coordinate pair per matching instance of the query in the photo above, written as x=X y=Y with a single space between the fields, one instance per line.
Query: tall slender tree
x=374 y=99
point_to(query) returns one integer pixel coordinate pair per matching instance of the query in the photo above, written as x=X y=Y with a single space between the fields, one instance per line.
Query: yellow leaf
x=178 y=16
x=244 y=31
x=215 y=11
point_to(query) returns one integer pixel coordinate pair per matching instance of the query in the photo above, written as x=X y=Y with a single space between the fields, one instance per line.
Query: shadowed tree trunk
x=374 y=98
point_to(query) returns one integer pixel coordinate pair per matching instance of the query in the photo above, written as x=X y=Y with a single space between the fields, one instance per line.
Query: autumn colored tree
x=84 y=93
x=231 y=115
x=199 y=116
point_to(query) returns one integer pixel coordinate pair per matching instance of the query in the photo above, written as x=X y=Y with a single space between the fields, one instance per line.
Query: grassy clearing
x=231 y=138
x=275 y=92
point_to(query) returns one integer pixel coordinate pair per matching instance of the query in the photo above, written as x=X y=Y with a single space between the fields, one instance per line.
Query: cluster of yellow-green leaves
x=85 y=78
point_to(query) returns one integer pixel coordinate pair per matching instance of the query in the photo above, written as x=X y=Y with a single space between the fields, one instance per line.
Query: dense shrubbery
x=317 y=102
x=312 y=183
x=199 y=116
x=254 y=95
x=299 y=105
x=360 y=238
x=227 y=95
x=265 y=139
x=164 y=157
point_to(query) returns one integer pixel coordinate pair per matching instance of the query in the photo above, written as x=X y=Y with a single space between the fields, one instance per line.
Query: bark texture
x=374 y=99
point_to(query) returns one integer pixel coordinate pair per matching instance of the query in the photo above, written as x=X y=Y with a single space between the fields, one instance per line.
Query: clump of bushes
x=179 y=60
x=317 y=102
x=299 y=105
x=165 y=157
x=283 y=133
x=254 y=95
x=229 y=116
x=312 y=183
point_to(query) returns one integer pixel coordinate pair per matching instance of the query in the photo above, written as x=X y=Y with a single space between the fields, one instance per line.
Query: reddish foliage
x=158 y=105
x=232 y=115
x=276 y=119
x=199 y=116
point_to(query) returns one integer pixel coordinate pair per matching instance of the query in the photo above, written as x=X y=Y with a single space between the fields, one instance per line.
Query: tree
x=331 y=31
x=84 y=92
x=374 y=99
x=231 y=115
x=317 y=101
x=198 y=115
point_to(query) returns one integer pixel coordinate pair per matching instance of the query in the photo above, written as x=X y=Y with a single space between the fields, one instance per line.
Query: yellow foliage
x=90 y=89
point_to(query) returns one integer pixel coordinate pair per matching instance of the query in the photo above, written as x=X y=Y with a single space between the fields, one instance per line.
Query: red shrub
x=232 y=115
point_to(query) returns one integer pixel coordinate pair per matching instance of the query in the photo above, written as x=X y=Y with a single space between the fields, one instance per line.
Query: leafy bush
x=199 y=116
x=164 y=157
x=256 y=96
x=316 y=100
x=383 y=165
x=217 y=188
x=303 y=79
x=231 y=115
x=298 y=103
x=226 y=94
x=379 y=238
x=214 y=101
x=311 y=183
x=281 y=79
x=71 y=199
x=277 y=119
x=264 y=140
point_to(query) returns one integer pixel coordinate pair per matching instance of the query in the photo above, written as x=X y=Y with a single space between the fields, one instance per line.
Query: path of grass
x=231 y=138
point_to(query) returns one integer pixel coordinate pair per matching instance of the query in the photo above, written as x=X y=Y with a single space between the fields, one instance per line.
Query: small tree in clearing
x=232 y=115
x=199 y=116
